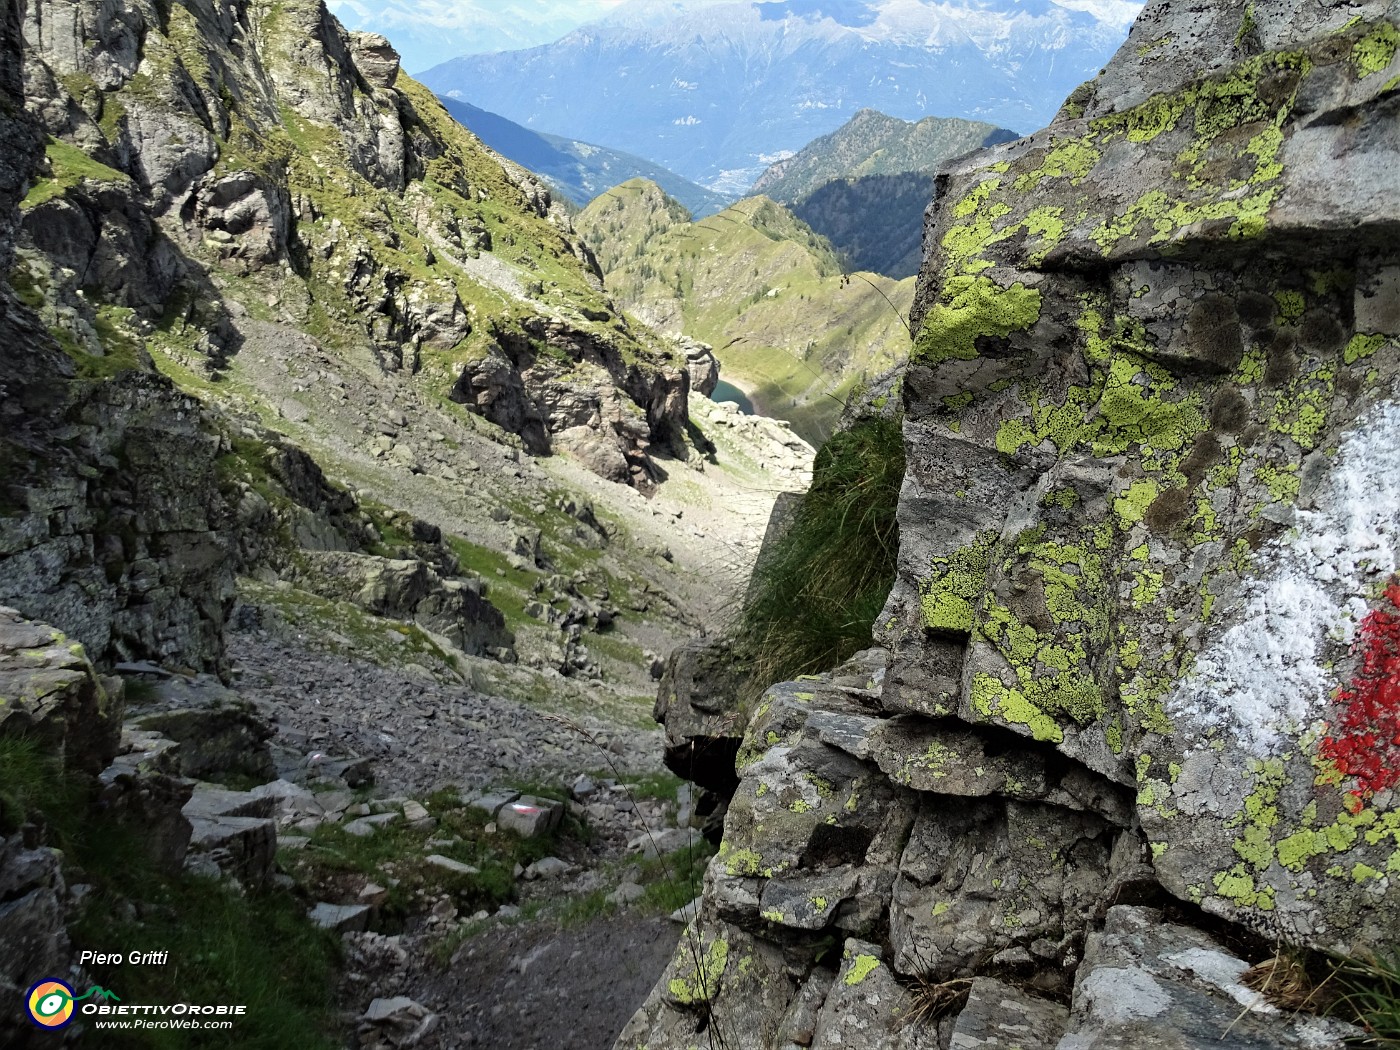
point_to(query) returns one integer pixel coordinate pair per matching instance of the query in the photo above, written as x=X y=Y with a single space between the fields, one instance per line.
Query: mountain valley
x=790 y=328
x=577 y=171
x=817 y=578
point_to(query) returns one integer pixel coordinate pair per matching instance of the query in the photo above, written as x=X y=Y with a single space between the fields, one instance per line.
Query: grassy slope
x=760 y=286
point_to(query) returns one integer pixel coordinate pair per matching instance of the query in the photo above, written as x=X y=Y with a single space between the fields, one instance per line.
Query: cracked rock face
x=207 y=156
x=1145 y=637
x=1152 y=420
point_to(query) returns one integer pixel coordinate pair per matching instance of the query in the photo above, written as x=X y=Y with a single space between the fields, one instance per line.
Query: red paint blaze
x=1365 y=741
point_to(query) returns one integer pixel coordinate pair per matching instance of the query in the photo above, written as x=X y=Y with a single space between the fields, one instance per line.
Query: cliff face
x=1143 y=655
x=109 y=511
x=198 y=182
x=1159 y=534
x=212 y=164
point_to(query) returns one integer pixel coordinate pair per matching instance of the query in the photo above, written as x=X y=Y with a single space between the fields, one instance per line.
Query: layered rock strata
x=1143 y=658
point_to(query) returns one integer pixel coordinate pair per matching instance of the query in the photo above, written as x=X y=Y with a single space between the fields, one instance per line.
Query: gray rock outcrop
x=701 y=363
x=50 y=695
x=53 y=708
x=200 y=155
x=1143 y=641
x=408 y=589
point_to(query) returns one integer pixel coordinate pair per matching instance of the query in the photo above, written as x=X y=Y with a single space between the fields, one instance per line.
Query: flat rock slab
x=340 y=918
x=437 y=860
x=999 y=1016
x=686 y=913
x=666 y=841
x=529 y=816
x=401 y=1020
x=548 y=868
x=491 y=804
x=361 y=827
x=242 y=847
x=1145 y=984
x=211 y=803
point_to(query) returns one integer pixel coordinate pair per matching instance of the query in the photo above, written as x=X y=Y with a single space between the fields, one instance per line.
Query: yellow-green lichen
x=972 y=307
x=1247 y=24
x=1290 y=305
x=1362 y=346
x=990 y=695
x=955 y=582
x=862 y=966
x=744 y=862
x=704 y=983
x=1131 y=506
x=1376 y=50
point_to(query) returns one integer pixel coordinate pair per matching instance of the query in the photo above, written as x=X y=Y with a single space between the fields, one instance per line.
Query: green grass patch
x=578 y=911
x=507 y=588
x=258 y=950
x=673 y=881
x=817 y=591
x=662 y=786
x=1370 y=997
x=68 y=167
x=33 y=786
x=615 y=647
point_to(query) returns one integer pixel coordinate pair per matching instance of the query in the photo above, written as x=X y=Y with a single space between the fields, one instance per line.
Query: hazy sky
x=427 y=32
x=430 y=31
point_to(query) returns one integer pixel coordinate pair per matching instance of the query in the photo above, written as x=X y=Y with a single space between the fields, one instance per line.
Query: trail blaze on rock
x=1365 y=744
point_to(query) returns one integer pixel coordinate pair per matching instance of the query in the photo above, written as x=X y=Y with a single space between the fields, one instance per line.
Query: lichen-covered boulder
x=49 y=694
x=1150 y=518
x=1145 y=636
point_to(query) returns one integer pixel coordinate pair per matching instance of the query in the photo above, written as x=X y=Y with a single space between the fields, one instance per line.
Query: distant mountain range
x=765 y=290
x=427 y=32
x=578 y=170
x=717 y=91
x=864 y=187
x=871 y=143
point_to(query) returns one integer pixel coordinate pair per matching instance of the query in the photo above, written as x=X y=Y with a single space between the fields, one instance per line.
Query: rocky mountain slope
x=864 y=186
x=874 y=221
x=788 y=326
x=324 y=457
x=299 y=234
x=1129 y=732
x=718 y=91
x=577 y=171
x=871 y=143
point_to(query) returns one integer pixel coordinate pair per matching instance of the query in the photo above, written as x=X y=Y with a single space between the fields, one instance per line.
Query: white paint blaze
x=1263 y=680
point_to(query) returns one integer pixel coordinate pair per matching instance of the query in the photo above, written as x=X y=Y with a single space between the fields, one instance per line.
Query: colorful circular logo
x=50 y=1003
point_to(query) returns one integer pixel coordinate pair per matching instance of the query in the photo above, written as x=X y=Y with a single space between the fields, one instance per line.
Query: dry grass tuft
x=933 y=999
x=1285 y=981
